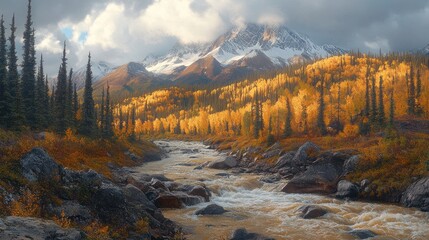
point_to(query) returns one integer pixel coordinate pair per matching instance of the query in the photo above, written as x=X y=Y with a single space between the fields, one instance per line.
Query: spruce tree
x=40 y=98
x=256 y=118
x=373 y=114
x=133 y=123
x=381 y=115
x=14 y=96
x=108 y=116
x=75 y=105
x=321 y=110
x=288 y=127
x=4 y=110
x=270 y=137
x=47 y=104
x=411 y=93
x=367 y=102
x=121 y=119
x=392 y=110
x=418 y=84
x=102 y=116
x=69 y=100
x=29 y=71
x=89 y=123
x=61 y=119
x=52 y=113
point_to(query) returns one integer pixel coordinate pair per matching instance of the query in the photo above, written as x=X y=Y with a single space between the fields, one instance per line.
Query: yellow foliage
x=350 y=131
x=27 y=205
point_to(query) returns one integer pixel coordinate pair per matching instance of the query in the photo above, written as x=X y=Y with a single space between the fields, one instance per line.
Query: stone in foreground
x=12 y=228
x=310 y=212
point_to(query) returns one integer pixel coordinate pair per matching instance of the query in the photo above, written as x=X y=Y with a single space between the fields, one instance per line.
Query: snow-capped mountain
x=278 y=44
x=99 y=70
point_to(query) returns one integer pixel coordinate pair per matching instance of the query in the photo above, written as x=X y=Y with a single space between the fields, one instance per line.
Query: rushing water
x=262 y=208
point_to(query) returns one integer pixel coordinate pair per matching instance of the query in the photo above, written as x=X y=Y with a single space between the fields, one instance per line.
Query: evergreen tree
x=373 y=114
x=102 y=117
x=133 y=123
x=75 y=104
x=270 y=136
x=108 y=115
x=321 y=111
x=69 y=100
x=89 y=123
x=40 y=116
x=29 y=71
x=381 y=115
x=121 y=120
x=61 y=118
x=47 y=108
x=411 y=93
x=418 y=84
x=367 y=102
x=4 y=110
x=52 y=113
x=392 y=109
x=256 y=117
x=14 y=96
x=288 y=127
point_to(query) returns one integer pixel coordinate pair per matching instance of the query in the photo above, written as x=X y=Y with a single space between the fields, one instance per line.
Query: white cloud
x=49 y=43
x=178 y=19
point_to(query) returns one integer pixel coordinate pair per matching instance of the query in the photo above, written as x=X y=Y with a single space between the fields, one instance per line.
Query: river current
x=262 y=208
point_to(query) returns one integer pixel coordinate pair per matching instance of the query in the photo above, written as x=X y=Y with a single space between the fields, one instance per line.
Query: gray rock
x=243 y=234
x=310 y=212
x=285 y=160
x=12 y=228
x=362 y=234
x=155 y=183
x=212 y=209
x=319 y=178
x=417 y=195
x=188 y=200
x=136 y=197
x=227 y=163
x=271 y=153
x=168 y=200
x=74 y=211
x=364 y=183
x=149 y=177
x=350 y=164
x=346 y=189
x=306 y=153
x=37 y=165
x=201 y=192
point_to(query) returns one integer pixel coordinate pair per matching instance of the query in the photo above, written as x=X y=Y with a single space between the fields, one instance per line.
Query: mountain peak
x=278 y=43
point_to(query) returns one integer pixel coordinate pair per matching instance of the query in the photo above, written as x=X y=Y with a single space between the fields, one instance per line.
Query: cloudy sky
x=121 y=31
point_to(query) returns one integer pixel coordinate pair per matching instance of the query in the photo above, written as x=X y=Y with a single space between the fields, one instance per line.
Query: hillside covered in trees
x=353 y=94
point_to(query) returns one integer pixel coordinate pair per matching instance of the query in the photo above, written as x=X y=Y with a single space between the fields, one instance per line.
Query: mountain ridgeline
x=242 y=52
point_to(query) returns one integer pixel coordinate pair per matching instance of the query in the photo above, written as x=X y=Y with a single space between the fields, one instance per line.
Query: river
x=262 y=208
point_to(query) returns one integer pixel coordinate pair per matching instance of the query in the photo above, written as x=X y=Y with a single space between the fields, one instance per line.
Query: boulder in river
x=212 y=209
x=35 y=228
x=285 y=160
x=201 y=192
x=318 y=178
x=362 y=234
x=310 y=212
x=417 y=195
x=243 y=234
x=37 y=165
x=168 y=200
x=227 y=163
x=346 y=189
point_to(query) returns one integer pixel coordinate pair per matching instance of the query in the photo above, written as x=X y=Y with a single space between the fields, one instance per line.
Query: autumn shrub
x=97 y=231
x=62 y=220
x=26 y=205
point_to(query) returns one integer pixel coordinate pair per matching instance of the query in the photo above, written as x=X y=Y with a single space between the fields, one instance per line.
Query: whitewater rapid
x=262 y=208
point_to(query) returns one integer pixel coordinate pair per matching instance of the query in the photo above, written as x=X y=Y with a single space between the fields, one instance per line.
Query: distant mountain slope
x=128 y=80
x=99 y=70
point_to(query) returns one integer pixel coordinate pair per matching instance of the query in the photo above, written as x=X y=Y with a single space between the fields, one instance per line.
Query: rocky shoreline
x=309 y=169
